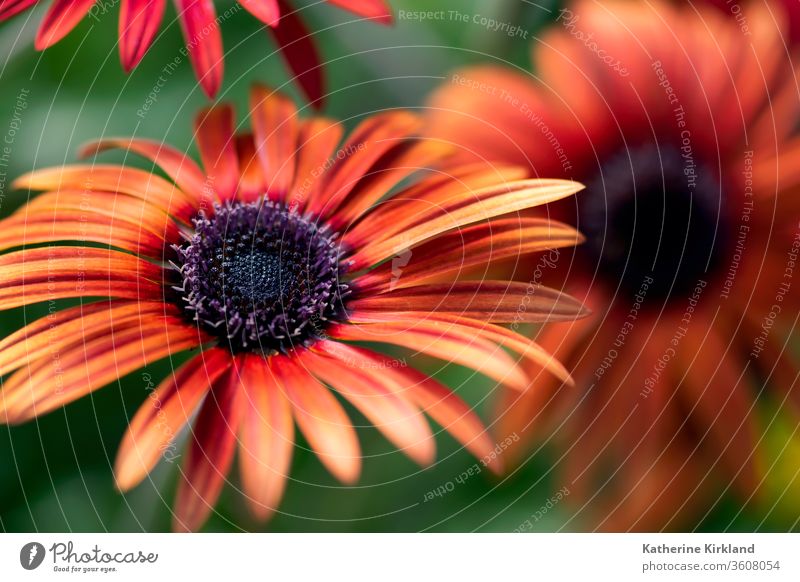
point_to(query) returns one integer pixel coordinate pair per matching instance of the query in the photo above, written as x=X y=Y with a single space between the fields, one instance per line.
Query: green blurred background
x=55 y=473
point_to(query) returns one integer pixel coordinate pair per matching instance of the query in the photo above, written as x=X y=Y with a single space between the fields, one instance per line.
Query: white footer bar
x=401 y=557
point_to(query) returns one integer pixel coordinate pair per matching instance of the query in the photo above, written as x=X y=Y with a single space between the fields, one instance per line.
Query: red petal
x=211 y=450
x=437 y=401
x=9 y=8
x=267 y=11
x=216 y=138
x=203 y=41
x=452 y=413
x=60 y=19
x=138 y=24
x=377 y=10
x=297 y=47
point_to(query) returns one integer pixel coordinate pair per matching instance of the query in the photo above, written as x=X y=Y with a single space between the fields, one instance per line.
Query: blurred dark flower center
x=652 y=213
x=261 y=277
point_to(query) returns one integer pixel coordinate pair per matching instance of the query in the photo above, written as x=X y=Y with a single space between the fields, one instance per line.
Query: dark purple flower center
x=261 y=277
x=653 y=213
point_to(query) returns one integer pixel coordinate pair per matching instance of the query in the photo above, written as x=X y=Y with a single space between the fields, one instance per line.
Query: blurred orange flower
x=682 y=126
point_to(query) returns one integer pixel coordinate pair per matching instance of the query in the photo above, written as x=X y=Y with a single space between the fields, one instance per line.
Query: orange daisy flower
x=139 y=22
x=272 y=261
x=682 y=127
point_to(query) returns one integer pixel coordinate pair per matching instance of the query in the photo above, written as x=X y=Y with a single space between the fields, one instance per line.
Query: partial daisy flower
x=683 y=129
x=139 y=22
x=272 y=261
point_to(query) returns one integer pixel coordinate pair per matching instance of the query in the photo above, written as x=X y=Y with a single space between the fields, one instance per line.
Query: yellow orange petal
x=275 y=129
x=401 y=423
x=267 y=438
x=321 y=418
x=153 y=430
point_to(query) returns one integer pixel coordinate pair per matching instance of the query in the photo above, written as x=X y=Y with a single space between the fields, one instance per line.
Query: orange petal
x=402 y=423
x=215 y=131
x=370 y=140
x=117 y=207
x=453 y=414
x=41 y=274
x=527 y=348
x=162 y=416
x=321 y=418
x=211 y=450
x=267 y=438
x=82 y=367
x=180 y=168
x=495 y=301
x=252 y=184
x=275 y=126
x=577 y=85
x=434 y=399
x=451 y=183
x=99 y=178
x=43 y=227
x=446 y=342
x=432 y=217
x=534 y=411
x=396 y=165
x=715 y=391
x=317 y=139
x=52 y=333
x=462 y=249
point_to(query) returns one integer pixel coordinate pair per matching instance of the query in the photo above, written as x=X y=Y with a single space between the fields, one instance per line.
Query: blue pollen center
x=257 y=276
x=261 y=278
